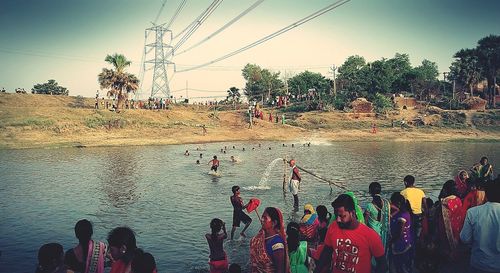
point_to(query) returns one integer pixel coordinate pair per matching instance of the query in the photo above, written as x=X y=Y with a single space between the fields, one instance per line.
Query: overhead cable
x=195 y=25
x=159 y=12
x=223 y=27
x=183 y=3
x=268 y=37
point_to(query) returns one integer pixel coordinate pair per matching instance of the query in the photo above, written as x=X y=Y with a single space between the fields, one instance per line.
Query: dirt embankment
x=34 y=121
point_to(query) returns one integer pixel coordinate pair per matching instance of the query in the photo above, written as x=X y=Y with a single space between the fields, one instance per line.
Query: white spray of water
x=263 y=185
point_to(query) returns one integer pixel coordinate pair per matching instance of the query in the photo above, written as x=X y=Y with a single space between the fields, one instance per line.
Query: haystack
x=475 y=103
x=361 y=105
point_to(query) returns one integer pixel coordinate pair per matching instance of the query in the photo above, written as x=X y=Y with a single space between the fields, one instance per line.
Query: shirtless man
x=215 y=163
x=238 y=214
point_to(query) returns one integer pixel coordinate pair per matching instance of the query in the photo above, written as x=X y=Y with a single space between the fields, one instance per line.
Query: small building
x=405 y=102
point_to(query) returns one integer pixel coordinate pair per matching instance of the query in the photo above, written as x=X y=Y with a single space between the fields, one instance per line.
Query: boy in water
x=215 y=164
x=238 y=214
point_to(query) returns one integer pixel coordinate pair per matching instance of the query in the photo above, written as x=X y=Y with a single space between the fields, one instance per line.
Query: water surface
x=169 y=200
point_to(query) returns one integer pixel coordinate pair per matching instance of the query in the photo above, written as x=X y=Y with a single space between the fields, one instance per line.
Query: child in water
x=218 y=258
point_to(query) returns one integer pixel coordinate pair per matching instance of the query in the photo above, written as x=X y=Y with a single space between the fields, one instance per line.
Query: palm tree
x=234 y=94
x=119 y=82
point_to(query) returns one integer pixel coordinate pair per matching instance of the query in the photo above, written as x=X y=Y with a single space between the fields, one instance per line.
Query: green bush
x=96 y=121
x=382 y=103
x=33 y=122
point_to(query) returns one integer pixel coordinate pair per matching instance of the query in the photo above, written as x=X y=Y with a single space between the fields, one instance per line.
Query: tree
x=49 y=88
x=382 y=103
x=399 y=65
x=300 y=83
x=466 y=68
x=423 y=79
x=119 y=82
x=234 y=95
x=488 y=52
x=349 y=74
x=254 y=86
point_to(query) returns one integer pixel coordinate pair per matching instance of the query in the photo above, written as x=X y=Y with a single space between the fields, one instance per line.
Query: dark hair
x=409 y=180
x=235 y=188
x=429 y=202
x=292 y=239
x=84 y=231
x=448 y=189
x=375 y=189
x=492 y=189
x=234 y=268
x=399 y=201
x=323 y=213
x=123 y=236
x=274 y=215
x=215 y=157
x=143 y=262
x=345 y=201
x=216 y=226
x=483 y=158
x=50 y=256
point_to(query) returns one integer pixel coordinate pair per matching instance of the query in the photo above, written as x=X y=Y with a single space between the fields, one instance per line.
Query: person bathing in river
x=215 y=164
x=294 y=183
x=238 y=214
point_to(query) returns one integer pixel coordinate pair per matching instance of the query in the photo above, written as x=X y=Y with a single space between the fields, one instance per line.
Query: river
x=169 y=200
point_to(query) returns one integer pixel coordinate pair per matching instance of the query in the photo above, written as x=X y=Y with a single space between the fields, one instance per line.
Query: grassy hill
x=33 y=121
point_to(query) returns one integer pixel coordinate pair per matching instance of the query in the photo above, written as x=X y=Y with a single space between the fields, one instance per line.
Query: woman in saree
x=123 y=247
x=309 y=224
x=450 y=219
x=89 y=255
x=268 y=249
x=461 y=184
x=378 y=212
x=359 y=211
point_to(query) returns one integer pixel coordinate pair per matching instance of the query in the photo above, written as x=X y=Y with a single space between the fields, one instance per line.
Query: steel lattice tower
x=159 y=87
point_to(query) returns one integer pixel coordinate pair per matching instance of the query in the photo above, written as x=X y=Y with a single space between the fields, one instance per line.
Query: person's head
x=292 y=162
x=121 y=241
x=234 y=268
x=492 y=189
x=50 y=257
x=429 y=202
x=198 y=161
x=448 y=189
x=216 y=226
x=83 y=230
x=344 y=209
x=232 y=157
x=143 y=262
x=484 y=160
x=409 y=181
x=375 y=188
x=399 y=201
x=463 y=175
x=322 y=212
x=215 y=157
x=201 y=155
x=292 y=236
x=271 y=219
x=235 y=189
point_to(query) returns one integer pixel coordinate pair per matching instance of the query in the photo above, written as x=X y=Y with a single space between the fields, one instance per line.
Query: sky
x=67 y=40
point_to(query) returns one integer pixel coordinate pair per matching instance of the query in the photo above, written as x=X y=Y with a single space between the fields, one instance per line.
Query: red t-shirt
x=353 y=249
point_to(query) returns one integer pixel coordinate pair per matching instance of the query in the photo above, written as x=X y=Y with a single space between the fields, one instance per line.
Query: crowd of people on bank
x=408 y=232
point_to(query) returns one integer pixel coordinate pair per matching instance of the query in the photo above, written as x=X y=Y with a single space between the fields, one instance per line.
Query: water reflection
x=118 y=178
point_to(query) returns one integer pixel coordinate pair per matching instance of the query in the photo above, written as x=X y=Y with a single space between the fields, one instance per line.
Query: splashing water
x=265 y=177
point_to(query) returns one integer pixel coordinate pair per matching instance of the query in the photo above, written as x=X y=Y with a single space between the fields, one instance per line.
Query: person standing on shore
x=238 y=214
x=294 y=184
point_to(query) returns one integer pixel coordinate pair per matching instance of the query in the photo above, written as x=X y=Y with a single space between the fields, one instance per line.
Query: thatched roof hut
x=475 y=103
x=361 y=105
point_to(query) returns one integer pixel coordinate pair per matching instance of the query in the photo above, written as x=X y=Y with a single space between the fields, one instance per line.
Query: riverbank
x=42 y=121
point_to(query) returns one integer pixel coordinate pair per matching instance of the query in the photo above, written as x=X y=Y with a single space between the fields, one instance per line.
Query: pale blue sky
x=67 y=40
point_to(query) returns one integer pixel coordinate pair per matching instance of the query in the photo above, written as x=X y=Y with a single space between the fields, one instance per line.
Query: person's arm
x=466 y=233
x=279 y=260
x=424 y=205
x=210 y=162
x=325 y=259
x=224 y=230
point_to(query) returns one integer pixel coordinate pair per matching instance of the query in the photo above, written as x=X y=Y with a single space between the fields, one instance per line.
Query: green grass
x=34 y=122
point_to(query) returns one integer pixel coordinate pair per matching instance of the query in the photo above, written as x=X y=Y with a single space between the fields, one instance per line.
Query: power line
x=268 y=37
x=159 y=12
x=195 y=26
x=183 y=3
x=223 y=27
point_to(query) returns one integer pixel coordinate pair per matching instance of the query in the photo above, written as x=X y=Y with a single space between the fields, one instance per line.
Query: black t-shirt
x=72 y=262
